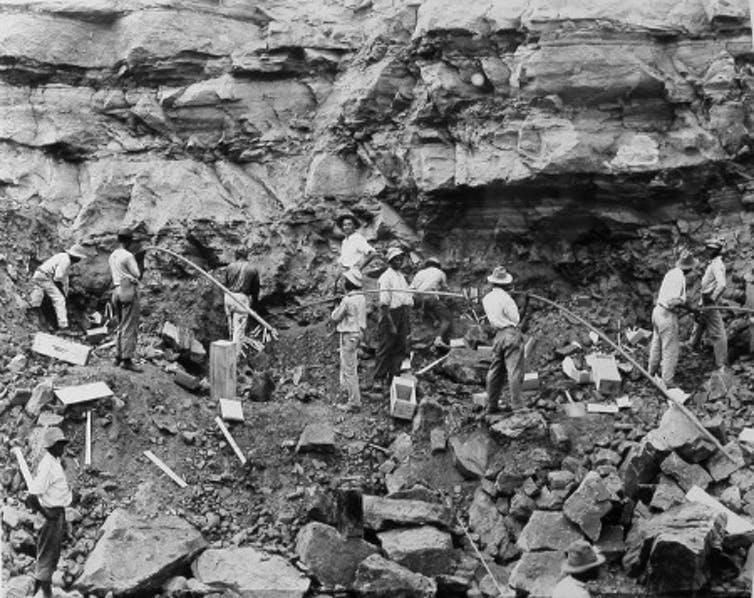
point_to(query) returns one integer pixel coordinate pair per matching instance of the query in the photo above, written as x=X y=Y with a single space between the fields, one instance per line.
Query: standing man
x=665 y=345
x=242 y=279
x=582 y=565
x=394 y=326
x=351 y=319
x=125 y=299
x=355 y=250
x=51 y=278
x=53 y=495
x=508 y=348
x=432 y=278
x=712 y=288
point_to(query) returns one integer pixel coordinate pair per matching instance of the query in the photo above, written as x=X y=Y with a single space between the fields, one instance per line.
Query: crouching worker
x=351 y=319
x=508 y=349
x=52 y=496
x=52 y=279
x=581 y=565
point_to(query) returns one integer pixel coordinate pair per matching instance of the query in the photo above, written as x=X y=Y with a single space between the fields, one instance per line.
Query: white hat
x=76 y=251
x=52 y=436
x=354 y=277
x=500 y=276
x=393 y=253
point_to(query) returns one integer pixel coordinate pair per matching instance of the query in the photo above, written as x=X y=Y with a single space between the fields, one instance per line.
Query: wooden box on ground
x=231 y=410
x=60 y=348
x=605 y=374
x=403 y=397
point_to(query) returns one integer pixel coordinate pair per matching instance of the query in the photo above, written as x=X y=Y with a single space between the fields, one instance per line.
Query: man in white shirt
x=508 y=348
x=432 y=278
x=394 y=326
x=125 y=299
x=355 y=250
x=52 y=278
x=712 y=288
x=582 y=565
x=664 y=348
x=351 y=319
x=53 y=495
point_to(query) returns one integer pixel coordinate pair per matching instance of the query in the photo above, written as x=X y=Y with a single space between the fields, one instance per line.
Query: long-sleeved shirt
x=50 y=483
x=242 y=277
x=429 y=279
x=392 y=279
x=55 y=268
x=672 y=290
x=501 y=309
x=353 y=249
x=713 y=281
x=123 y=265
x=351 y=314
x=568 y=587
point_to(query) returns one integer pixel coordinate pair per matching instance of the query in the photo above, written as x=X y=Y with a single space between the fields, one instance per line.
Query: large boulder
x=686 y=474
x=547 y=530
x=330 y=557
x=381 y=513
x=377 y=577
x=135 y=555
x=588 y=504
x=677 y=433
x=426 y=550
x=487 y=522
x=675 y=547
x=537 y=573
x=250 y=572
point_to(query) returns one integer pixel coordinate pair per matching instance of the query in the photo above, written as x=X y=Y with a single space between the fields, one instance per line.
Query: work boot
x=130 y=366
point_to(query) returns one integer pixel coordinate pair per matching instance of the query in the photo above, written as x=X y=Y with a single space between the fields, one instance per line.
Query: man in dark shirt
x=242 y=279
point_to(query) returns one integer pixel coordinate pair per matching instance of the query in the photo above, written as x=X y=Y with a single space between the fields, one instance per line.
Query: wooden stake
x=88 y=446
x=222 y=369
x=169 y=472
x=23 y=466
x=231 y=441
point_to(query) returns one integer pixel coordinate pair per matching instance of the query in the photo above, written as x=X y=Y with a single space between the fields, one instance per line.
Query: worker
x=355 y=250
x=351 y=318
x=125 y=299
x=432 y=278
x=394 y=326
x=51 y=495
x=665 y=345
x=712 y=288
x=242 y=279
x=508 y=348
x=52 y=278
x=582 y=564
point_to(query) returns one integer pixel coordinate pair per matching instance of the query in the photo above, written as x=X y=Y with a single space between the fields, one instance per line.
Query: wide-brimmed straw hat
x=343 y=216
x=715 y=243
x=582 y=556
x=52 y=436
x=76 y=251
x=500 y=276
x=393 y=253
x=354 y=277
x=432 y=260
x=686 y=262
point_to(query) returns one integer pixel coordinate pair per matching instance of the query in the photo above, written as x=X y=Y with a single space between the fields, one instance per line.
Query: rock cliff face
x=462 y=125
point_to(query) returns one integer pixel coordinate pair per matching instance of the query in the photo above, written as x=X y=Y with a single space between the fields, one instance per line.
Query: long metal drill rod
x=218 y=284
x=374 y=292
x=633 y=362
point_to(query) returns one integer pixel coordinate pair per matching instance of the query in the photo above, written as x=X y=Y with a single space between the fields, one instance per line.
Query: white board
x=71 y=395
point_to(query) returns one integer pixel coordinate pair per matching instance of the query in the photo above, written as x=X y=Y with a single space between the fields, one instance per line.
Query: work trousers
x=712 y=323
x=507 y=363
x=665 y=345
x=49 y=541
x=392 y=347
x=237 y=318
x=349 y=366
x=435 y=308
x=50 y=289
x=127 y=313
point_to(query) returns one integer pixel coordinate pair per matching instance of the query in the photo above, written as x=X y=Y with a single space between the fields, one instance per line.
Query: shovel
x=573 y=409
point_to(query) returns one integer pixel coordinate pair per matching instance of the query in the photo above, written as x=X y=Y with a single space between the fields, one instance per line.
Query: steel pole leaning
x=218 y=284
x=633 y=362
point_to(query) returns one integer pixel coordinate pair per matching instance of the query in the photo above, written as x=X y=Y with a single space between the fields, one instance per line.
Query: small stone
x=529 y=423
x=606 y=457
x=437 y=440
x=537 y=573
x=377 y=577
x=522 y=506
x=731 y=498
x=559 y=437
x=686 y=474
x=470 y=457
x=611 y=542
x=560 y=480
x=316 y=437
x=721 y=467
